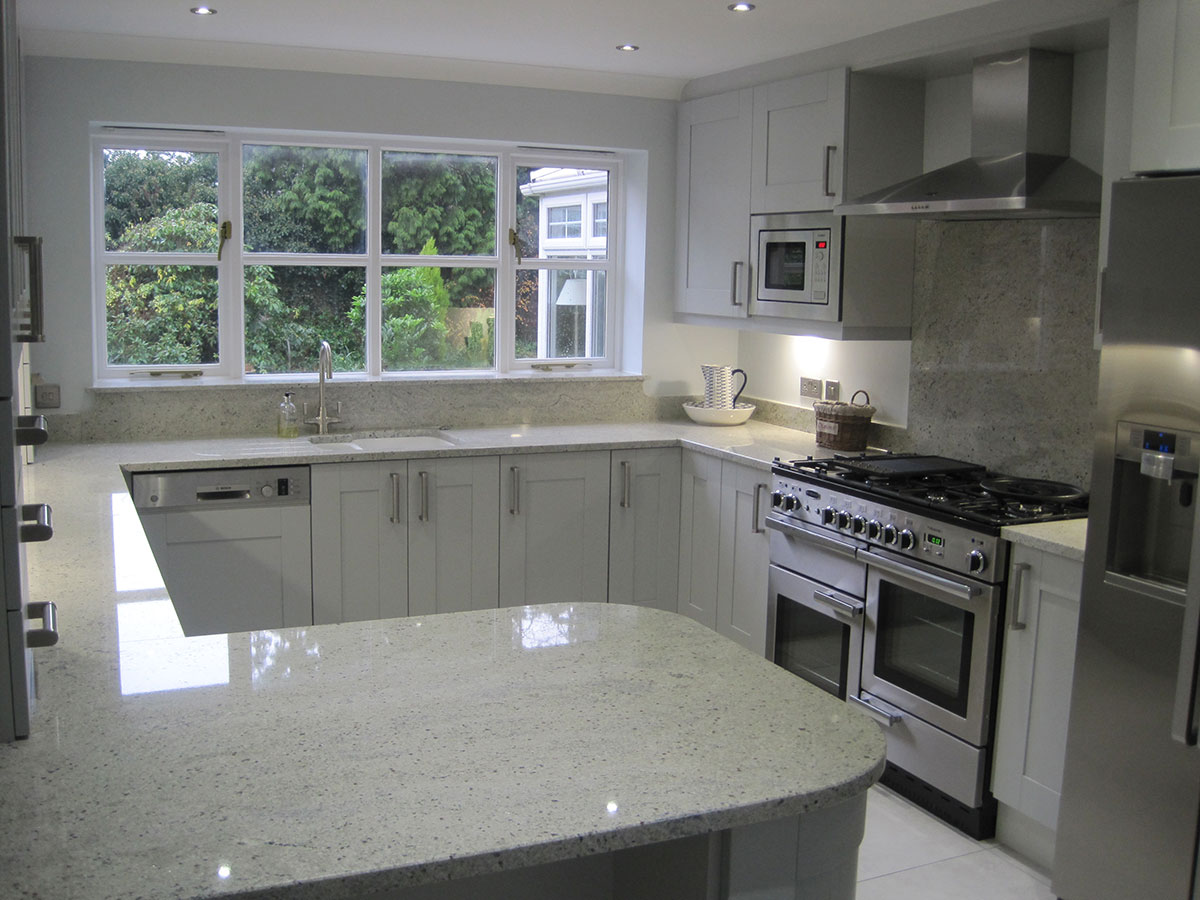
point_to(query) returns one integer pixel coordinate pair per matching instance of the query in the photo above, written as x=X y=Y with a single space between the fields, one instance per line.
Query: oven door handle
x=838 y=605
x=827 y=542
x=958 y=588
x=885 y=717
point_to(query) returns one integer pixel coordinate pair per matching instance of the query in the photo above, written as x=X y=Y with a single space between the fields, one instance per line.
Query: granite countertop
x=1066 y=539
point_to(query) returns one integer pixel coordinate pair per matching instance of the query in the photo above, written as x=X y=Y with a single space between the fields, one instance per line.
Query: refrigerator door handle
x=47 y=635
x=31 y=431
x=1183 y=714
x=36 y=525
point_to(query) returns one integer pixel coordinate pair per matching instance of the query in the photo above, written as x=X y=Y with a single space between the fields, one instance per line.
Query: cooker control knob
x=874 y=529
x=859 y=525
x=776 y=499
x=889 y=534
x=790 y=502
x=267 y=491
x=976 y=561
x=843 y=519
x=828 y=515
x=907 y=540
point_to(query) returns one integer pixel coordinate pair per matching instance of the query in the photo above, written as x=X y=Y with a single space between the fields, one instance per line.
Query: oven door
x=929 y=644
x=817 y=631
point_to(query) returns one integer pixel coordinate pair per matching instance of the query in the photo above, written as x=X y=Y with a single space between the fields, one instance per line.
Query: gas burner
x=1031 y=490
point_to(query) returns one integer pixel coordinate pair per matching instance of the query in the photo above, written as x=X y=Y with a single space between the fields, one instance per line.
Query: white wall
x=63 y=96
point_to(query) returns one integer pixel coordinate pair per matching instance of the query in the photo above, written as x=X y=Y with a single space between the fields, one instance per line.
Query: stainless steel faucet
x=324 y=370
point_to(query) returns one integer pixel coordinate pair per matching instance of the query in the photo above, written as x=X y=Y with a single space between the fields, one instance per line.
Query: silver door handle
x=882 y=716
x=37 y=297
x=959 y=588
x=626 y=469
x=395 y=517
x=423 y=515
x=47 y=635
x=31 y=431
x=1183 y=715
x=850 y=609
x=733 y=282
x=1014 y=596
x=820 y=539
x=514 y=508
x=830 y=149
x=758 y=489
x=36 y=523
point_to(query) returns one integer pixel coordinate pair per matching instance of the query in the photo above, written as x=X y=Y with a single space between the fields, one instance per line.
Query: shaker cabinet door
x=743 y=566
x=1166 y=87
x=643 y=553
x=699 y=537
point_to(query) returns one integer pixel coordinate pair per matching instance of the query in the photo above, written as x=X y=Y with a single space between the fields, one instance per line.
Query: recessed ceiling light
x=627 y=48
x=740 y=7
x=203 y=11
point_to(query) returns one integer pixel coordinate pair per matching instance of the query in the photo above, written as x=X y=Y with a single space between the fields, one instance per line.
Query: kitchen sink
x=384 y=441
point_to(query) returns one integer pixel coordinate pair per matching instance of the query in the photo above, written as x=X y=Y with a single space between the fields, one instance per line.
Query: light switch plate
x=833 y=390
x=810 y=387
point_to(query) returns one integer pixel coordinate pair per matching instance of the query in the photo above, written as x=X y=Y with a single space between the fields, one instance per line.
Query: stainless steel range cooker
x=887 y=587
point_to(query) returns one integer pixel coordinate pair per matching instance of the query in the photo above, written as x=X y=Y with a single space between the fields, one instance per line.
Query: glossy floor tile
x=908 y=854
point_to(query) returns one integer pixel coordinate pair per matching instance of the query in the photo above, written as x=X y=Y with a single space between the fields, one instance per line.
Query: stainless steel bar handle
x=733 y=282
x=36 y=523
x=849 y=608
x=883 y=717
x=1183 y=715
x=514 y=508
x=394 y=518
x=37 y=296
x=423 y=515
x=31 y=431
x=966 y=591
x=803 y=534
x=1020 y=570
x=830 y=149
x=626 y=469
x=47 y=635
x=756 y=512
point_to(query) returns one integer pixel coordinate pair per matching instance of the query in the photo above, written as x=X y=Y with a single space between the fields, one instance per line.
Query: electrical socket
x=833 y=390
x=810 y=387
x=47 y=396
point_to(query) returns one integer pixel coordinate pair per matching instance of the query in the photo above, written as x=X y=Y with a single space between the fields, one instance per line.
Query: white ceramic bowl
x=718 y=415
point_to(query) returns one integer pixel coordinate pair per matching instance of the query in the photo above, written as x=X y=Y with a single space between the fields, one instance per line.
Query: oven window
x=923 y=646
x=813 y=646
x=783 y=269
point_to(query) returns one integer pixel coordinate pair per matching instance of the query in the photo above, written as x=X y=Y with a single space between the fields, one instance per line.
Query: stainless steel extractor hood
x=1020 y=144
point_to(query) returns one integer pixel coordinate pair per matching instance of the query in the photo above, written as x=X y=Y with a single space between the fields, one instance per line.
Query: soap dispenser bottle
x=289 y=421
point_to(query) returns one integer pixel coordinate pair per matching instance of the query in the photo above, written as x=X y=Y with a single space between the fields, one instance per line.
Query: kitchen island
x=597 y=745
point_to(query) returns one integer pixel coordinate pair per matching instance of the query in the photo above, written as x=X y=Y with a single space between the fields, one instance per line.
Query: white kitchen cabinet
x=643 y=551
x=1035 y=682
x=1166 y=87
x=799 y=143
x=699 y=536
x=742 y=565
x=359 y=541
x=554 y=527
x=713 y=204
x=453 y=534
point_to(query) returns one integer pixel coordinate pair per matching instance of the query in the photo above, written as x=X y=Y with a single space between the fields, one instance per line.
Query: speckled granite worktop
x=1065 y=539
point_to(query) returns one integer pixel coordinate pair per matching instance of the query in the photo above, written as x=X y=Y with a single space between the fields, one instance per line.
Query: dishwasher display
x=233 y=545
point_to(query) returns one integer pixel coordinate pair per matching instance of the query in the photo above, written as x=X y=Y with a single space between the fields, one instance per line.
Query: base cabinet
x=643 y=552
x=1035 y=682
x=723 y=549
x=554 y=528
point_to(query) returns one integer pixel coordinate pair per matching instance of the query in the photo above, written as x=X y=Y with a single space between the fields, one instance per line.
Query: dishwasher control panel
x=201 y=488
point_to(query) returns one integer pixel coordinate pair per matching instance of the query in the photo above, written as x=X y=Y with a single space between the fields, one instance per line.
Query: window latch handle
x=226 y=233
x=514 y=241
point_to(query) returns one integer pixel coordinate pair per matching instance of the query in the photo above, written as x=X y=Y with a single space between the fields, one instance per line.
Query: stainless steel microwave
x=797 y=265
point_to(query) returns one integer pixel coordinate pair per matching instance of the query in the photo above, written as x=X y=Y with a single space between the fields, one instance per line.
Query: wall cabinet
x=799 y=143
x=359 y=541
x=723 y=549
x=643 y=553
x=453 y=534
x=713 y=204
x=554 y=528
x=1035 y=682
x=1166 y=87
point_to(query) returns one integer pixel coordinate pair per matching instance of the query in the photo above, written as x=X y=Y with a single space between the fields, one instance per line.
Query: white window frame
x=230 y=143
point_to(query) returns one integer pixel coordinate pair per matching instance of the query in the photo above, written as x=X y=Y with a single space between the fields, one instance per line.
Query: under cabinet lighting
x=203 y=11
x=740 y=7
x=627 y=48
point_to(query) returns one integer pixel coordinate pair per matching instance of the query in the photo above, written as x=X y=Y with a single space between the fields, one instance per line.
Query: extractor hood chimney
x=1020 y=144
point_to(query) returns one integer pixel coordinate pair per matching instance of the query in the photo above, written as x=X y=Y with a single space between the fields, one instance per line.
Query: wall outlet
x=810 y=387
x=833 y=390
x=47 y=396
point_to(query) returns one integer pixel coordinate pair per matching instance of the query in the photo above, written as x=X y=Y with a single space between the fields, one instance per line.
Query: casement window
x=232 y=256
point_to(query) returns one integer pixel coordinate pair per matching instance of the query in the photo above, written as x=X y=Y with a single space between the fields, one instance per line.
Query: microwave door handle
x=733 y=282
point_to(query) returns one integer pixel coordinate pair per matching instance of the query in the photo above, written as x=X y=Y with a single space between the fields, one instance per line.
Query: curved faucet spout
x=324 y=370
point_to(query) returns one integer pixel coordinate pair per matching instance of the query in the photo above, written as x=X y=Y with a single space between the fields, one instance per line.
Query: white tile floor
x=908 y=854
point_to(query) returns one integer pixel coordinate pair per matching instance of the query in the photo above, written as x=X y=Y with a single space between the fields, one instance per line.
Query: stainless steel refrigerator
x=23 y=625
x=1130 y=807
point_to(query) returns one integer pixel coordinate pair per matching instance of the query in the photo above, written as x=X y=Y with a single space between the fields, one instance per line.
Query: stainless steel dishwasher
x=233 y=545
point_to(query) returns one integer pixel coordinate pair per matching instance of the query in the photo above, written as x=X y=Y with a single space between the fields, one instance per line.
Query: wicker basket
x=843 y=426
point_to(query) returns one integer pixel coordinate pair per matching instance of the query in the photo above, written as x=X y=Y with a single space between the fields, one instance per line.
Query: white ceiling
x=565 y=43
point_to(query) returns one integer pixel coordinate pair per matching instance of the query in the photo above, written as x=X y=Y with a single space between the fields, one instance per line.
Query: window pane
x=438 y=318
x=164 y=200
x=559 y=314
x=550 y=201
x=304 y=199
x=291 y=309
x=161 y=315
x=444 y=198
x=600 y=220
